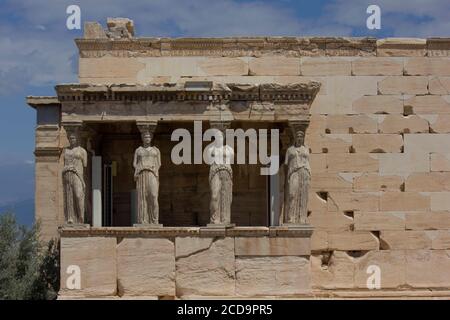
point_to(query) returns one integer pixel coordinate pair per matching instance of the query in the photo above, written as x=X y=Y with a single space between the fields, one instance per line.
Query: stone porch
x=177 y=262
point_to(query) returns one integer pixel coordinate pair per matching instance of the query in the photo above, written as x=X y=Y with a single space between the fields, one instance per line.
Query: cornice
x=226 y=47
x=258 y=46
x=213 y=92
x=38 y=101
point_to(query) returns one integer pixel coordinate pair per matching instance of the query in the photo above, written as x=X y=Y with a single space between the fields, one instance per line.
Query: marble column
x=73 y=176
x=220 y=177
x=146 y=163
x=298 y=177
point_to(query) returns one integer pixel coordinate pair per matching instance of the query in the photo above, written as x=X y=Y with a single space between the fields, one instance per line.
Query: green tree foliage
x=29 y=269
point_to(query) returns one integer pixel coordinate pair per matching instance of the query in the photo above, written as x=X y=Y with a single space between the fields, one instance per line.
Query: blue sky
x=37 y=51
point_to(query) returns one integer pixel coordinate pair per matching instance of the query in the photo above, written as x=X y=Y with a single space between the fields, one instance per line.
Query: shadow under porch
x=184 y=189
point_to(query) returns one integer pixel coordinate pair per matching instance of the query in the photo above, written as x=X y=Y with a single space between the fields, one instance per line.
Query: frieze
x=302 y=93
x=226 y=47
x=240 y=47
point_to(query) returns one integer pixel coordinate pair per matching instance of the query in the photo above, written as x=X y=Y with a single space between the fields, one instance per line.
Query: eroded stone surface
x=146 y=267
x=272 y=275
x=205 y=271
x=378 y=104
x=377 y=67
x=279 y=66
x=350 y=241
x=332 y=270
x=276 y=246
x=96 y=259
x=375 y=221
x=312 y=66
x=408 y=240
x=191 y=246
x=372 y=182
x=391 y=264
x=427 y=220
x=428 y=268
x=427 y=66
x=409 y=201
x=403 y=85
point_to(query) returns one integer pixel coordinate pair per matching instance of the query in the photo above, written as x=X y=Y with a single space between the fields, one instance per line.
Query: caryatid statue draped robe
x=147 y=161
x=220 y=182
x=74 y=187
x=298 y=179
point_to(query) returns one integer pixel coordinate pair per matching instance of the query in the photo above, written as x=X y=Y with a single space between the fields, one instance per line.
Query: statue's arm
x=286 y=158
x=158 y=158
x=135 y=163
x=84 y=158
x=135 y=159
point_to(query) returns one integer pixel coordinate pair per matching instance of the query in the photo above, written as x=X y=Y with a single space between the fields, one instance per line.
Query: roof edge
x=38 y=101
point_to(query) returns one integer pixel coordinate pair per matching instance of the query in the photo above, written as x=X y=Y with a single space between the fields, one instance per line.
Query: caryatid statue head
x=299 y=138
x=73 y=137
x=146 y=136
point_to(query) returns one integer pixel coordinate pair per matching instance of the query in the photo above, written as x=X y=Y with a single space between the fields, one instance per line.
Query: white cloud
x=33 y=57
x=36 y=49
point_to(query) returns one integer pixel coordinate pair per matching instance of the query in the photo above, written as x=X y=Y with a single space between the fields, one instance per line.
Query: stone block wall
x=185 y=266
x=380 y=154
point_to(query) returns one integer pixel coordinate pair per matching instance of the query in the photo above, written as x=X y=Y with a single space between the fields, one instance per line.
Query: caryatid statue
x=298 y=179
x=220 y=179
x=74 y=187
x=146 y=163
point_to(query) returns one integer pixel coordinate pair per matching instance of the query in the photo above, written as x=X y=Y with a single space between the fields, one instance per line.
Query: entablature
x=206 y=91
x=192 y=100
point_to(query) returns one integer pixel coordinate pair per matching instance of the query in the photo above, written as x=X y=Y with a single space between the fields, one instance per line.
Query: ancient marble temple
x=362 y=186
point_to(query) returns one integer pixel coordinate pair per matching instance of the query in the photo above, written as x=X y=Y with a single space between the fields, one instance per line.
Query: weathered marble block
x=428 y=268
x=391 y=264
x=332 y=270
x=265 y=246
x=205 y=266
x=146 y=266
x=267 y=276
x=96 y=259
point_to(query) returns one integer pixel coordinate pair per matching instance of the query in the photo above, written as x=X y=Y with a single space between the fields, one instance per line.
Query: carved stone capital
x=298 y=126
x=295 y=92
x=220 y=125
x=147 y=126
x=72 y=125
